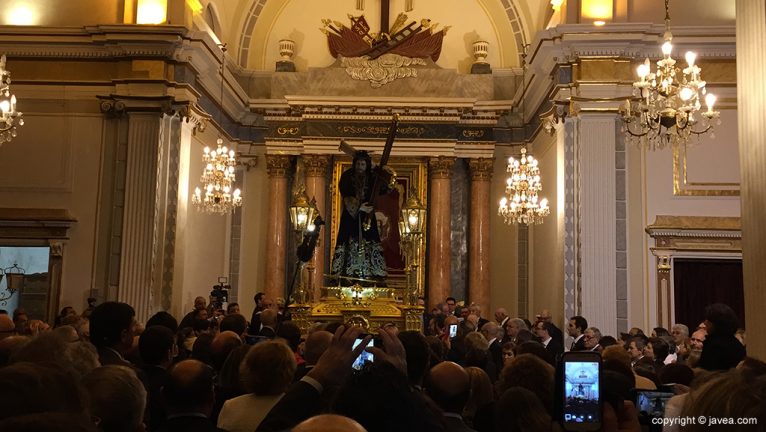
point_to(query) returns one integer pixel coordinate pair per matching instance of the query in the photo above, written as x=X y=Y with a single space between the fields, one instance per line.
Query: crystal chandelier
x=9 y=117
x=665 y=109
x=520 y=203
x=218 y=176
x=217 y=180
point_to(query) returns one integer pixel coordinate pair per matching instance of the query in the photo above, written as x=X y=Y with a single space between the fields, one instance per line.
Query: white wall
x=51 y=164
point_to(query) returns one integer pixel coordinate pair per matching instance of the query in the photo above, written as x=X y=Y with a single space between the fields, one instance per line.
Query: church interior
x=309 y=215
x=127 y=106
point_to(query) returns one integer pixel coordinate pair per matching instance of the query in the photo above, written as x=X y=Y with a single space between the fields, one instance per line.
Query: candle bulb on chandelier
x=710 y=102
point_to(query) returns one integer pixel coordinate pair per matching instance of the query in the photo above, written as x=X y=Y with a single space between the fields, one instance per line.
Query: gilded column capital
x=441 y=167
x=277 y=165
x=316 y=165
x=481 y=168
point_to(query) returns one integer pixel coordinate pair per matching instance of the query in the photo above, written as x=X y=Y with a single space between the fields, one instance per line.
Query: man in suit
x=501 y=316
x=157 y=346
x=592 y=338
x=268 y=324
x=190 y=397
x=491 y=332
x=552 y=345
x=112 y=327
x=556 y=333
x=576 y=329
x=476 y=310
x=316 y=344
x=200 y=305
x=449 y=386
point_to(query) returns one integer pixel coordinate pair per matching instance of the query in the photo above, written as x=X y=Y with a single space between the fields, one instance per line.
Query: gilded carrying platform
x=366 y=307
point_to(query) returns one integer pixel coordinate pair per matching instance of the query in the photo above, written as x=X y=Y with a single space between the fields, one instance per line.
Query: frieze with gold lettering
x=285 y=130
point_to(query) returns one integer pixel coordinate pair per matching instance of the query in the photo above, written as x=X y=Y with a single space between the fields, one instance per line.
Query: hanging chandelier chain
x=218 y=176
x=520 y=203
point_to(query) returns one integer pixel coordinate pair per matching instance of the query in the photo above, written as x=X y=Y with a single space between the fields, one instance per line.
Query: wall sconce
x=598 y=11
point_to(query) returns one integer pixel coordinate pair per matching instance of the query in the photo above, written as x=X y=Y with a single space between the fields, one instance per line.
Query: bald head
x=316 y=344
x=189 y=387
x=329 y=423
x=500 y=314
x=269 y=318
x=449 y=386
x=7 y=327
x=222 y=345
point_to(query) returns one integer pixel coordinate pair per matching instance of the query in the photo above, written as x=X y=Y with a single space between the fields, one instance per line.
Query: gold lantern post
x=411 y=227
x=302 y=215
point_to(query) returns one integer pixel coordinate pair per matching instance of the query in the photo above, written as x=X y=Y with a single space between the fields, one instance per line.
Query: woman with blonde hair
x=266 y=371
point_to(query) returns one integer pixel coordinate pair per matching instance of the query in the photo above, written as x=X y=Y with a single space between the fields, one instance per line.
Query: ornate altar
x=367 y=307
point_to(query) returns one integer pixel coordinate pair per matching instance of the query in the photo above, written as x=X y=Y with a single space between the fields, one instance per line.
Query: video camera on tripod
x=219 y=296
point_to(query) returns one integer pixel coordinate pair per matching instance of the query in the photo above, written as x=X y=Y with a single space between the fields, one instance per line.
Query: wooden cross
x=384 y=13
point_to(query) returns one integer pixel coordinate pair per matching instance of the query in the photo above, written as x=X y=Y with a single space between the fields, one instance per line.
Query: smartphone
x=581 y=391
x=651 y=404
x=364 y=356
x=452 y=330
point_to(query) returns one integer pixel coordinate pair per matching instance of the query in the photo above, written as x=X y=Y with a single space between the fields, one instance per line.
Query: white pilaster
x=751 y=99
x=139 y=215
x=595 y=156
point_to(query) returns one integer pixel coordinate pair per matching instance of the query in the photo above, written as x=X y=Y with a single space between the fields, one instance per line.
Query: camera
x=219 y=296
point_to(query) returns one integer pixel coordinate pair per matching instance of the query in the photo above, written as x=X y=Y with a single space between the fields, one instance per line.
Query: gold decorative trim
x=287 y=130
x=382 y=70
x=316 y=165
x=440 y=167
x=681 y=183
x=277 y=165
x=481 y=168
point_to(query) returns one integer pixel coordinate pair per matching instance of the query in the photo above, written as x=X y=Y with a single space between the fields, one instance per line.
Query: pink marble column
x=276 y=225
x=440 y=252
x=478 y=240
x=316 y=187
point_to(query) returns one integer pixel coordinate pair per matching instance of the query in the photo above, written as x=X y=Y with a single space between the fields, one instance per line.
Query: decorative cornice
x=481 y=168
x=440 y=167
x=316 y=165
x=277 y=165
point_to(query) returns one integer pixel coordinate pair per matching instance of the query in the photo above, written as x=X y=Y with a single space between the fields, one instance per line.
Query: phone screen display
x=581 y=392
x=651 y=403
x=452 y=330
x=364 y=357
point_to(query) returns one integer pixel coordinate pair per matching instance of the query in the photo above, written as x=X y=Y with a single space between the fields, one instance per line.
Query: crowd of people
x=216 y=371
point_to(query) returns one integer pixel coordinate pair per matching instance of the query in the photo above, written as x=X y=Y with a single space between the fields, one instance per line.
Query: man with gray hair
x=679 y=332
x=491 y=332
x=592 y=336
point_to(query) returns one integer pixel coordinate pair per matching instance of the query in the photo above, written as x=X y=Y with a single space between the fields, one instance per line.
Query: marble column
x=596 y=141
x=478 y=240
x=751 y=98
x=316 y=187
x=439 y=255
x=277 y=167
